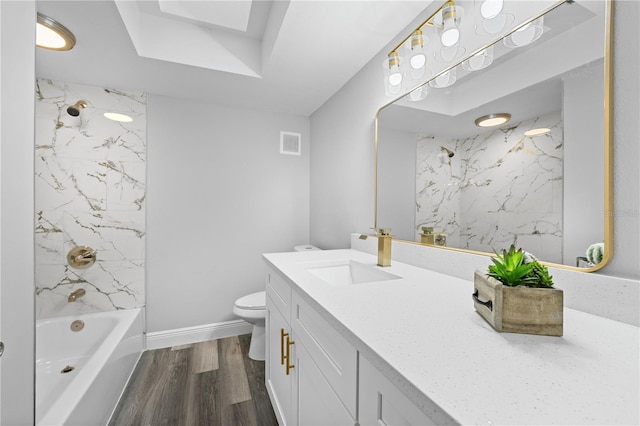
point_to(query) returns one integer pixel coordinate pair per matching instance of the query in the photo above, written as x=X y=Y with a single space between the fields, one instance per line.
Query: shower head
x=74 y=110
x=450 y=153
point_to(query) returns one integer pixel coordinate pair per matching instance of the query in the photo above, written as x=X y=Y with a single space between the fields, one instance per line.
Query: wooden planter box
x=518 y=309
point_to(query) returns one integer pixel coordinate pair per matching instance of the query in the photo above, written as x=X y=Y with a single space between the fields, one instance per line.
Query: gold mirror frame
x=608 y=142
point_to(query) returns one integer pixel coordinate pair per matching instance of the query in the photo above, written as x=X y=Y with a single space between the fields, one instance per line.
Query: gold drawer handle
x=289 y=343
x=282 y=336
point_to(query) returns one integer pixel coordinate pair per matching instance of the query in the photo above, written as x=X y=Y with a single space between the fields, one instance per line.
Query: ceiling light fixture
x=537 y=132
x=122 y=118
x=492 y=120
x=52 y=35
x=445 y=79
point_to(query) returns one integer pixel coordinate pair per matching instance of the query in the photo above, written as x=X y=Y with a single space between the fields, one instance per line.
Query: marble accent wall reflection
x=90 y=190
x=499 y=188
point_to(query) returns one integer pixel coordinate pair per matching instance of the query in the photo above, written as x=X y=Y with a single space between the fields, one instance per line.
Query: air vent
x=290 y=143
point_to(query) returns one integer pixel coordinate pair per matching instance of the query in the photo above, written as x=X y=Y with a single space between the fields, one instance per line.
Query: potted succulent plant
x=516 y=295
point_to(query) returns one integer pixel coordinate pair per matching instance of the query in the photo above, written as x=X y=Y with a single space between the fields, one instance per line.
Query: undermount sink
x=345 y=272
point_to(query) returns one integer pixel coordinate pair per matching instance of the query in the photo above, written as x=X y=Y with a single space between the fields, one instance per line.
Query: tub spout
x=76 y=294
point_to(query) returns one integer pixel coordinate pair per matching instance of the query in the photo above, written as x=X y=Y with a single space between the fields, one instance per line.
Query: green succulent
x=518 y=268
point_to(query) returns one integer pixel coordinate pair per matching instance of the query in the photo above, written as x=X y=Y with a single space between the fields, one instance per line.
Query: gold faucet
x=76 y=294
x=384 y=247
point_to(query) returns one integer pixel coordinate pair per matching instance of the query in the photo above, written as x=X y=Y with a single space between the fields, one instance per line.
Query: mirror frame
x=608 y=142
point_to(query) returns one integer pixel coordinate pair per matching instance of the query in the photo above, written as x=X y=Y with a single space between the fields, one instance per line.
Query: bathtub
x=103 y=355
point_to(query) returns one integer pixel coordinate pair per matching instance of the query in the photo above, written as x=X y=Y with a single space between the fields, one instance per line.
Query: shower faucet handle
x=81 y=257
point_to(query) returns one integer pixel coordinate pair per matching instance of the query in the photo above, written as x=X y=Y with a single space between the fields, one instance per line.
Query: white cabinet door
x=317 y=402
x=381 y=403
x=279 y=384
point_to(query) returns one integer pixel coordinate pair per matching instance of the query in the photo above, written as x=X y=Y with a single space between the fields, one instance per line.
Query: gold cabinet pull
x=289 y=365
x=282 y=336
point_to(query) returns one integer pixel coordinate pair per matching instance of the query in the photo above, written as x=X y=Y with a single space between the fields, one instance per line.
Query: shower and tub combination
x=83 y=364
x=90 y=249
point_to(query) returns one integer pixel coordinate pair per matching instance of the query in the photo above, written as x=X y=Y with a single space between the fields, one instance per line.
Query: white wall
x=342 y=152
x=219 y=195
x=17 y=76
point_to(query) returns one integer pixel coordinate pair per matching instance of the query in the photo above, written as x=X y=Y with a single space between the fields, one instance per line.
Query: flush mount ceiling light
x=492 y=120
x=537 y=132
x=123 y=118
x=52 y=35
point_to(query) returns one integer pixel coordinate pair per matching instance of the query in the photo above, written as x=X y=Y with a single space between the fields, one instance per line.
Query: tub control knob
x=81 y=257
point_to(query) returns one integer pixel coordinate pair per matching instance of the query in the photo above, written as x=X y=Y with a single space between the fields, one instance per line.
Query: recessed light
x=118 y=117
x=492 y=120
x=52 y=35
x=536 y=132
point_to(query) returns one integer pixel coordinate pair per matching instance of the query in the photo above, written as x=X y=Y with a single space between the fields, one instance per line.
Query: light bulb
x=491 y=8
x=450 y=34
x=417 y=58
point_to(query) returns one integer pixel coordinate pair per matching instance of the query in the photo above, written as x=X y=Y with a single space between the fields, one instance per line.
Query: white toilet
x=252 y=309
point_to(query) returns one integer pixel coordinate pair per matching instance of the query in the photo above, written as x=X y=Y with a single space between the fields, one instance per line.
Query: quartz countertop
x=423 y=334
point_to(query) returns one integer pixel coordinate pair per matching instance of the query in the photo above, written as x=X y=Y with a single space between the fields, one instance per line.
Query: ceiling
x=279 y=56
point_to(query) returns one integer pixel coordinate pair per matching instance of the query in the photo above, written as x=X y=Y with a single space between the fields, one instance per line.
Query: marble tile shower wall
x=90 y=190
x=498 y=185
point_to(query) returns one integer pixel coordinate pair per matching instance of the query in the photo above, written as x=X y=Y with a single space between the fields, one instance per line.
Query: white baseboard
x=184 y=336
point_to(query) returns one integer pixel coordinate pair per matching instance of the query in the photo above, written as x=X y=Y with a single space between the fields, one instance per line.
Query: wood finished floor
x=208 y=383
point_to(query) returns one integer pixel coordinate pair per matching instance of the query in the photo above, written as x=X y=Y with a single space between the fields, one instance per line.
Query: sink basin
x=346 y=272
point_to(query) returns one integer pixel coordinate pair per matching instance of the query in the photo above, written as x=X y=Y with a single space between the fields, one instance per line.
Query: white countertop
x=423 y=334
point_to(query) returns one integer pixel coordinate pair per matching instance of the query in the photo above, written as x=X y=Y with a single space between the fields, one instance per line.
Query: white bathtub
x=103 y=354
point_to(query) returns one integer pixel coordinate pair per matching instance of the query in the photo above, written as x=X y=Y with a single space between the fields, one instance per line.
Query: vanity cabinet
x=381 y=403
x=310 y=369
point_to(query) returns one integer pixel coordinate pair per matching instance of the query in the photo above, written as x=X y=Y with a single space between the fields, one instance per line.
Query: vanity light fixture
x=418 y=94
x=449 y=16
x=489 y=9
x=417 y=55
x=492 y=120
x=52 y=35
x=122 y=118
x=479 y=61
x=445 y=79
x=526 y=34
x=392 y=74
x=537 y=132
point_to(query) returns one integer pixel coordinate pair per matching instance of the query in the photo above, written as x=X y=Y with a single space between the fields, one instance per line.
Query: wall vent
x=290 y=143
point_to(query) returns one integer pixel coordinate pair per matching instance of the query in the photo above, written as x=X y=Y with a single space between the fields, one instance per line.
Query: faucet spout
x=76 y=294
x=384 y=247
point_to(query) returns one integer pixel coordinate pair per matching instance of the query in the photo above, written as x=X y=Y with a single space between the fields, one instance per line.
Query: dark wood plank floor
x=208 y=383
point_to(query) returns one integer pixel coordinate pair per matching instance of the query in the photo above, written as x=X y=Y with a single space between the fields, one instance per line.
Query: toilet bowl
x=252 y=309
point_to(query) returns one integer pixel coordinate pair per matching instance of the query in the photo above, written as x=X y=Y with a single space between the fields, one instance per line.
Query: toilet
x=252 y=309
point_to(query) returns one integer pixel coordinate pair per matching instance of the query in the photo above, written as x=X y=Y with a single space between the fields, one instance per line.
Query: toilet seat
x=253 y=301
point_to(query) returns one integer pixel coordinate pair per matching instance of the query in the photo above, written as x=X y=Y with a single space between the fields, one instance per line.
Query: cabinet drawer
x=381 y=403
x=335 y=357
x=279 y=290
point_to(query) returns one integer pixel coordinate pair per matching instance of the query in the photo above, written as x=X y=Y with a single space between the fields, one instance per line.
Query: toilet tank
x=306 y=247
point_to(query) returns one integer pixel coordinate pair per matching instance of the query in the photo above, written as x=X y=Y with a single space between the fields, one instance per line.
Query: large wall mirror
x=542 y=179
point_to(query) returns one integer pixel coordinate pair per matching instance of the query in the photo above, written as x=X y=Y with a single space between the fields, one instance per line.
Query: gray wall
x=219 y=195
x=342 y=152
x=17 y=77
